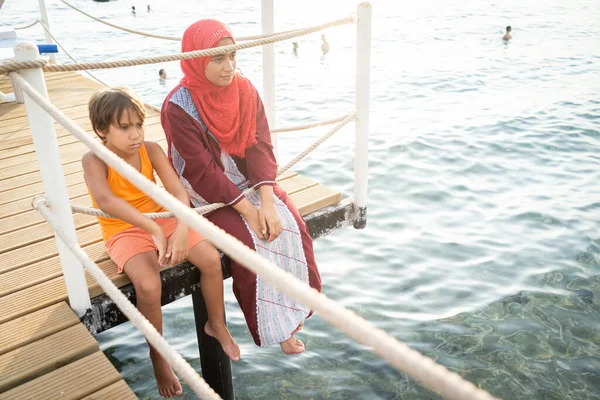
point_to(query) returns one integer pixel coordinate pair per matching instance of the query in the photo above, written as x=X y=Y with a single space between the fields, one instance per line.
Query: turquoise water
x=482 y=248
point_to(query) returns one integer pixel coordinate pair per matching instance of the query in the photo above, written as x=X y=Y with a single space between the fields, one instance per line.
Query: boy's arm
x=167 y=174
x=95 y=173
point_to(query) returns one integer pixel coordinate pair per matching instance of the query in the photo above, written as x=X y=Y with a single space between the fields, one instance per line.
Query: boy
x=138 y=245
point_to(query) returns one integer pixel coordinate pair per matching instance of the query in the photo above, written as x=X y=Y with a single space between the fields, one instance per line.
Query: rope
x=67 y=53
x=18 y=28
x=198 y=385
x=14 y=66
x=350 y=117
x=152 y=35
x=120 y=27
x=309 y=126
x=398 y=354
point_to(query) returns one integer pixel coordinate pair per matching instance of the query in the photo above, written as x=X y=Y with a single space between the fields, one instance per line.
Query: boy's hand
x=160 y=240
x=177 y=246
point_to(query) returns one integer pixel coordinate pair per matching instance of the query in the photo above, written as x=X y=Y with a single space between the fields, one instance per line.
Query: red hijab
x=228 y=111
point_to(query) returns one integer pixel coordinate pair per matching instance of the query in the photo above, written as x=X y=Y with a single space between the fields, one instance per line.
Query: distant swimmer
x=507 y=35
x=162 y=74
x=133 y=10
x=295 y=49
x=324 y=45
x=148 y=7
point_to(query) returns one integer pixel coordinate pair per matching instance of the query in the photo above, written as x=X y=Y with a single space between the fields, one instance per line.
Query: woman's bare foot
x=166 y=380
x=292 y=346
x=221 y=333
x=299 y=328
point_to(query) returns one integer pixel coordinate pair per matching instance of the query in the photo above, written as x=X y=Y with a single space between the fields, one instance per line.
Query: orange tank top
x=125 y=190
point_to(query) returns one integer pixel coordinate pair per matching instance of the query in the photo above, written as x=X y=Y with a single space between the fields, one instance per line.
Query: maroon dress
x=212 y=176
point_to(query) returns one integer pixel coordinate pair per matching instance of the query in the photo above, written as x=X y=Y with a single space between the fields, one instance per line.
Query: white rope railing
x=10 y=66
x=185 y=370
x=215 y=206
x=153 y=35
x=68 y=54
x=310 y=126
x=349 y=118
x=18 y=28
x=398 y=354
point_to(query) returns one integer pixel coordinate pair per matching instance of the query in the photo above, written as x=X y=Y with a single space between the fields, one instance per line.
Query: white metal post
x=363 y=89
x=268 y=26
x=55 y=188
x=44 y=13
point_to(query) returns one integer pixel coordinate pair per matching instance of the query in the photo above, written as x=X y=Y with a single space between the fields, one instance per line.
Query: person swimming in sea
x=324 y=45
x=162 y=74
x=507 y=35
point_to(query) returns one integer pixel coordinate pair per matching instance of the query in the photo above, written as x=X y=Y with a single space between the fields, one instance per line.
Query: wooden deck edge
x=176 y=281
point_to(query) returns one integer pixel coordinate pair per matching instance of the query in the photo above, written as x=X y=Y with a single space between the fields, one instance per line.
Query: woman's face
x=221 y=68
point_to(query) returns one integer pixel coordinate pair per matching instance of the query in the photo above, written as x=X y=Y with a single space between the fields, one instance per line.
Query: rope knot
x=14 y=66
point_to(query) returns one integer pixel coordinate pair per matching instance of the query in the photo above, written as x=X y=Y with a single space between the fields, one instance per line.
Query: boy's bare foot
x=221 y=333
x=292 y=346
x=166 y=380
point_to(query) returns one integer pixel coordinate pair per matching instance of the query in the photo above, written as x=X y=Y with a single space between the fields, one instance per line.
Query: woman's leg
x=293 y=345
x=143 y=271
x=204 y=256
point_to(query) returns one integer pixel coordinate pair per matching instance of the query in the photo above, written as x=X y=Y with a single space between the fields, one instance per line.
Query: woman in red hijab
x=220 y=145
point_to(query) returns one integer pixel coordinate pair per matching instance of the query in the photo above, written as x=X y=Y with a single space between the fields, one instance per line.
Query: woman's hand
x=177 y=246
x=252 y=217
x=269 y=221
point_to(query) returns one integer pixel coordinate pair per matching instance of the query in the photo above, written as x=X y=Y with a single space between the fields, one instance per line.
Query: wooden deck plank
x=33 y=217
x=37 y=233
x=297 y=184
x=30 y=274
x=32 y=299
x=71 y=382
x=45 y=355
x=22 y=331
x=153 y=132
x=116 y=391
x=34 y=253
x=23 y=135
x=33 y=177
x=315 y=198
x=23 y=205
x=30 y=163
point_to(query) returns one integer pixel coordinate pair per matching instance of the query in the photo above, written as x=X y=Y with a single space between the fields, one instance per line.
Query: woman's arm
x=261 y=164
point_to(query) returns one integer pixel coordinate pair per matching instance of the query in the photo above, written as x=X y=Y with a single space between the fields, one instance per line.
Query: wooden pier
x=46 y=351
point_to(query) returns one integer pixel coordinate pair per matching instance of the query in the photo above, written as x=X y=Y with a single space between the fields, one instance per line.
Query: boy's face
x=221 y=69
x=126 y=136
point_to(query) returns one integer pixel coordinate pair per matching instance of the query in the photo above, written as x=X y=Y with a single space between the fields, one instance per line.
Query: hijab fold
x=229 y=111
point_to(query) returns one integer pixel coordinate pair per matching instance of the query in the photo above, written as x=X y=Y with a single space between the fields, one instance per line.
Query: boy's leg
x=206 y=258
x=143 y=271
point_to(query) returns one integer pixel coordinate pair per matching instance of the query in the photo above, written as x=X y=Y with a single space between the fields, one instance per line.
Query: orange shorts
x=133 y=241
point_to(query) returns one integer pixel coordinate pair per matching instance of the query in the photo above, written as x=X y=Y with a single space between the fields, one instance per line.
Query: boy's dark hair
x=107 y=105
x=508 y=28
